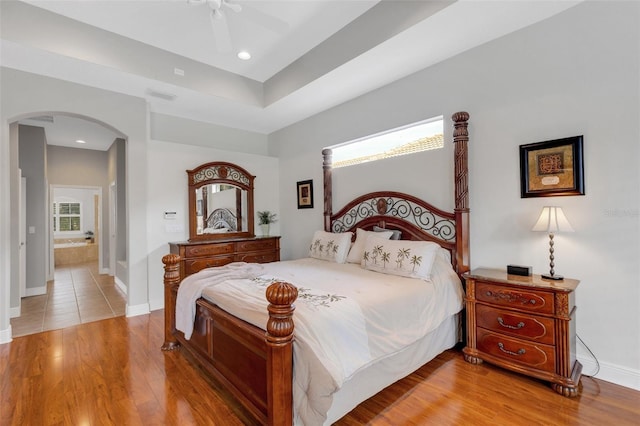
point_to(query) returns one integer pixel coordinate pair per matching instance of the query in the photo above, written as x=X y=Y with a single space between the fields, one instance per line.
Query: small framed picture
x=552 y=168
x=305 y=194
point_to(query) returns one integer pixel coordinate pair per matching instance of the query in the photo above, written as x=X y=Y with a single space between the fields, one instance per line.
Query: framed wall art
x=305 y=194
x=552 y=168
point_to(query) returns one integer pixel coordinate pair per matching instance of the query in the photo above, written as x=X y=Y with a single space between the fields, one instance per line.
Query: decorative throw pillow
x=402 y=257
x=330 y=246
x=396 y=233
x=355 y=254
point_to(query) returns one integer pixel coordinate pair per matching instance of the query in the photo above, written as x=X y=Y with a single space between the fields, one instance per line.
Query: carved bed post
x=171 y=280
x=461 y=173
x=328 y=196
x=279 y=338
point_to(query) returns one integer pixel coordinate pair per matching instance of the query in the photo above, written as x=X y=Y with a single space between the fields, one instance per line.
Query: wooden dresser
x=525 y=324
x=197 y=255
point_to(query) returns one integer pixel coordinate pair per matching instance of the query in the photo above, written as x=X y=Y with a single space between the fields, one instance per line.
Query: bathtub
x=70 y=244
x=71 y=252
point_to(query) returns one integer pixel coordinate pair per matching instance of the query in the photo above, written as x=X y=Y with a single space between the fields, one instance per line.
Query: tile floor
x=78 y=294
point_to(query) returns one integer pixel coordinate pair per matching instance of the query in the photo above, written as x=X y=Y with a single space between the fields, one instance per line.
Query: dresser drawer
x=255 y=245
x=192 y=266
x=208 y=249
x=516 y=324
x=538 y=356
x=263 y=257
x=517 y=298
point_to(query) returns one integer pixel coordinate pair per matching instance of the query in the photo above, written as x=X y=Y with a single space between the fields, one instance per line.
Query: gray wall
x=32 y=160
x=190 y=132
x=117 y=175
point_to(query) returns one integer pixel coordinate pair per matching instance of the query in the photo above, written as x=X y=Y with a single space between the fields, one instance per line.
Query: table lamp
x=552 y=220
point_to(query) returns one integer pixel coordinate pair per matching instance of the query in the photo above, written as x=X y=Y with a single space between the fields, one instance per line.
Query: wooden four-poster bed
x=257 y=367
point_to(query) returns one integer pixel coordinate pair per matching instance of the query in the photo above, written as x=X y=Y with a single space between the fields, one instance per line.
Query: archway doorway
x=58 y=150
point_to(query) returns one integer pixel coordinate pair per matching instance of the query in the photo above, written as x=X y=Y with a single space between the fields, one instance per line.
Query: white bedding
x=346 y=319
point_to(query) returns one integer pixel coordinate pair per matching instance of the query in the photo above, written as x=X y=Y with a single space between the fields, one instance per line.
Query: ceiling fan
x=218 y=10
x=218 y=18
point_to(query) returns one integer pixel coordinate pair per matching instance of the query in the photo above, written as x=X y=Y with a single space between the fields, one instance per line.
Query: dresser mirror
x=220 y=202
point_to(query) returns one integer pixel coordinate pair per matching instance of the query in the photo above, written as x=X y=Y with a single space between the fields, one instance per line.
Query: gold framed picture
x=552 y=168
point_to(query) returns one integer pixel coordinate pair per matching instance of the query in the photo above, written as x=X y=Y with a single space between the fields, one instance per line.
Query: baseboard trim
x=120 y=285
x=135 y=310
x=156 y=304
x=5 y=335
x=105 y=271
x=622 y=376
x=15 y=312
x=35 y=291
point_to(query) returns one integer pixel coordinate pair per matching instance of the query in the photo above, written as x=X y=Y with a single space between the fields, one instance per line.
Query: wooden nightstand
x=525 y=324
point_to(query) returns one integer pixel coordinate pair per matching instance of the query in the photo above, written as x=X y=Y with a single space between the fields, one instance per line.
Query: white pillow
x=355 y=254
x=396 y=232
x=400 y=257
x=330 y=246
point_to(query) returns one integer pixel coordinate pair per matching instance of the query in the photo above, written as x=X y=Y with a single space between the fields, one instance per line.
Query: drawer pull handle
x=510 y=298
x=512 y=327
x=521 y=351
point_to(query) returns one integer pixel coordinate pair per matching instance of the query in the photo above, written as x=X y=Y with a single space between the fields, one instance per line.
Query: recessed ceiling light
x=244 y=55
x=80 y=141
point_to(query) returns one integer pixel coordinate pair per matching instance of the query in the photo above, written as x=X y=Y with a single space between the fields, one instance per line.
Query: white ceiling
x=307 y=55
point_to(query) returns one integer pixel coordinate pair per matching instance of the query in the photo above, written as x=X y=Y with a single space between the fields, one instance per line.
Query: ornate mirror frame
x=219 y=172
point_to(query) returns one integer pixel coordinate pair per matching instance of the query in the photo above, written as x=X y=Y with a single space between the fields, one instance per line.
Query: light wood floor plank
x=112 y=372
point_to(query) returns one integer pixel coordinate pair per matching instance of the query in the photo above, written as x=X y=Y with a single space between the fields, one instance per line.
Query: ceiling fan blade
x=220 y=31
x=233 y=6
x=214 y=4
x=270 y=22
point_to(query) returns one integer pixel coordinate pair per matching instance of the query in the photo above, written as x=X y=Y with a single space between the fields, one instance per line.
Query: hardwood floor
x=77 y=294
x=112 y=372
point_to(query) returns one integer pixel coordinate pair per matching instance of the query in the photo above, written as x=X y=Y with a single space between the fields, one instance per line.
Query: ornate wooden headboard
x=222 y=218
x=417 y=219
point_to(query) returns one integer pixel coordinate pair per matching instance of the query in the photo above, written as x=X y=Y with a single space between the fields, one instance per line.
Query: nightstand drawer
x=194 y=265
x=515 y=324
x=208 y=249
x=516 y=298
x=538 y=356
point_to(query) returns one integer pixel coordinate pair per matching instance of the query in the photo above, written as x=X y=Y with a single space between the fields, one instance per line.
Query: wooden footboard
x=254 y=366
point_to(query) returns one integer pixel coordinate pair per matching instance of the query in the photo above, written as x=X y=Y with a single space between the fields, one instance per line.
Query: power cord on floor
x=592 y=355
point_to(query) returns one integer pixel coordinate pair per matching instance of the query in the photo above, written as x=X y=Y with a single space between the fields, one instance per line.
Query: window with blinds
x=67 y=217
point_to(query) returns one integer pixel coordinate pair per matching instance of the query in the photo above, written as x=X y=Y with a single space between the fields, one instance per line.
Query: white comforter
x=346 y=317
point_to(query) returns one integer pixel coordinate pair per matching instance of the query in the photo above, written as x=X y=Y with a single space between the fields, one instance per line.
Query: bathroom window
x=67 y=217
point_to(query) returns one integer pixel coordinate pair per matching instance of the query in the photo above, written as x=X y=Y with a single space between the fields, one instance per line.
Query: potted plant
x=88 y=235
x=266 y=218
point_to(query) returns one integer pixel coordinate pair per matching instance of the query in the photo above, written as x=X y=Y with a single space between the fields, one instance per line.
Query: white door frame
x=101 y=243
x=23 y=235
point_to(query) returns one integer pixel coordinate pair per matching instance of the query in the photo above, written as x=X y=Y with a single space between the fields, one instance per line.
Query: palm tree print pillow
x=330 y=246
x=406 y=258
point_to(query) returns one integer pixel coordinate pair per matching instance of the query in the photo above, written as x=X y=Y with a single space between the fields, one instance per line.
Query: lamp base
x=552 y=277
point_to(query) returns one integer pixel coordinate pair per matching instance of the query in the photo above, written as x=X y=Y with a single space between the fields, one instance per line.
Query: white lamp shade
x=552 y=220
